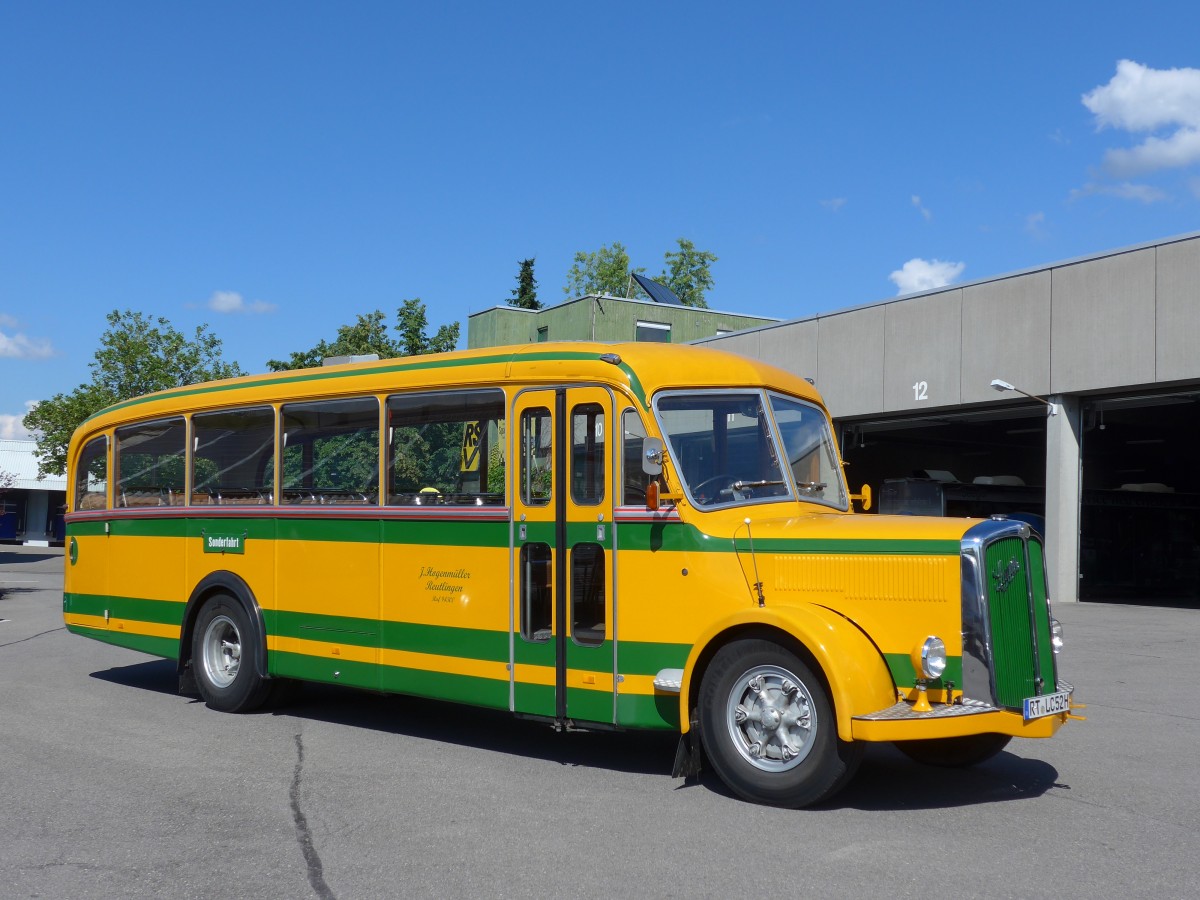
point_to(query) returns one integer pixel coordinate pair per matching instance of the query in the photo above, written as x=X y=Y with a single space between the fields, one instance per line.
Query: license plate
x=1047 y=705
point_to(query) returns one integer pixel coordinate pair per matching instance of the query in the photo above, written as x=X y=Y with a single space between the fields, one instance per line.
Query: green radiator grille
x=1009 y=579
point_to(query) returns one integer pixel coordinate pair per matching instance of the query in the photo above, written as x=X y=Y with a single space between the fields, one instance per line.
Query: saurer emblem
x=1004 y=575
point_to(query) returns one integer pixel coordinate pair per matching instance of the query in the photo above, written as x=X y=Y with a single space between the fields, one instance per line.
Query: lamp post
x=1051 y=408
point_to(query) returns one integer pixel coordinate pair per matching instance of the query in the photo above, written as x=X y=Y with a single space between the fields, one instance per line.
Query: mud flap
x=689 y=756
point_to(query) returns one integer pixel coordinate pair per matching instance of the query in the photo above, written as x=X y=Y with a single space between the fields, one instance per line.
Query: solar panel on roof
x=659 y=293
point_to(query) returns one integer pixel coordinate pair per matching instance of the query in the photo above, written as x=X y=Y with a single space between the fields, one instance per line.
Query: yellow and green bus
x=630 y=536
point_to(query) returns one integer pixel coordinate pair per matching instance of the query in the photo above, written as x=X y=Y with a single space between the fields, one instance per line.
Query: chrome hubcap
x=771 y=718
x=222 y=651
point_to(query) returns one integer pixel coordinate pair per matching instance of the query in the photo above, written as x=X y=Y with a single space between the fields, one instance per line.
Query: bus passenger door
x=563 y=648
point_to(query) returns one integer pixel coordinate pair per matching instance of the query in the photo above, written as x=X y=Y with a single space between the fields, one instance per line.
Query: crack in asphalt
x=316 y=873
x=32 y=636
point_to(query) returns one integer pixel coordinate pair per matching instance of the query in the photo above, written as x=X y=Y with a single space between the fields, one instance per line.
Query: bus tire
x=768 y=727
x=955 y=752
x=225 y=657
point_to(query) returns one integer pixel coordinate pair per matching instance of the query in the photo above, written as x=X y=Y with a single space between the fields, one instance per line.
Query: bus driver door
x=563 y=648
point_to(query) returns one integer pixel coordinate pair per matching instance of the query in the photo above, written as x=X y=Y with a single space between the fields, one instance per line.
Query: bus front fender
x=855 y=672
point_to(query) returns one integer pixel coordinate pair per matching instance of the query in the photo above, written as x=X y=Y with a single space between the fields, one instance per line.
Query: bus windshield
x=726 y=448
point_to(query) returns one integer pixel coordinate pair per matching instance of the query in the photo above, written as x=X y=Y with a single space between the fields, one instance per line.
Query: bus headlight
x=1056 y=635
x=929 y=659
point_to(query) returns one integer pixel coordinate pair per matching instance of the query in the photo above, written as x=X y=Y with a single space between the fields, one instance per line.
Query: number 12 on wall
x=921 y=390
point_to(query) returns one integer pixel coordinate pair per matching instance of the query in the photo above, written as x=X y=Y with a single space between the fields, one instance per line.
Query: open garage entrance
x=958 y=464
x=1140 y=518
x=1139 y=536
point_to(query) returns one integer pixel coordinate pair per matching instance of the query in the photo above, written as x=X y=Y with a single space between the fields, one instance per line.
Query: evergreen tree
x=525 y=293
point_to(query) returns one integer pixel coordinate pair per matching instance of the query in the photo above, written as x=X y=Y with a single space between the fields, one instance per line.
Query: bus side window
x=634 y=480
x=537 y=458
x=446 y=449
x=150 y=461
x=587 y=594
x=91 y=476
x=536 y=606
x=330 y=452
x=588 y=451
x=233 y=457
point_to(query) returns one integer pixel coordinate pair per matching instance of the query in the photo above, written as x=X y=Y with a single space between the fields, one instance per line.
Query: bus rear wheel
x=225 y=657
x=768 y=727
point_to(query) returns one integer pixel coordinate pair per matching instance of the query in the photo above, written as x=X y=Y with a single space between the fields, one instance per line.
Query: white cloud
x=1139 y=99
x=1144 y=193
x=11 y=428
x=834 y=203
x=1035 y=224
x=18 y=346
x=916 y=201
x=233 y=302
x=925 y=275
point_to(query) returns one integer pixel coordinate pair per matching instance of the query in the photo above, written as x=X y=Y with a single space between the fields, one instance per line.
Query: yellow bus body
x=427 y=600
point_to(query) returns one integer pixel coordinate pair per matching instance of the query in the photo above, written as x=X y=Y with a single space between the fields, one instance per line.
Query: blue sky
x=274 y=169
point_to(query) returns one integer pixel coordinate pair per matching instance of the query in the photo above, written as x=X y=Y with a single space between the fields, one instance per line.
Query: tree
x=687 y=273
x=525 y=293
x=7 y=480
x=138 y=355
x=604 y=272
x=370 y=334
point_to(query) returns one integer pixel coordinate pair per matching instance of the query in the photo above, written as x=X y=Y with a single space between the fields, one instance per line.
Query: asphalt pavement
x=113 y=785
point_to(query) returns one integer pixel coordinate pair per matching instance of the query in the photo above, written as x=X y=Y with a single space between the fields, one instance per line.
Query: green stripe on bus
x=659 y=711
x=636 y=658
x=407 y=364
x=645 y=658
x=160 y=612
x=144 y=643
x=655 y=537
x=589 y=705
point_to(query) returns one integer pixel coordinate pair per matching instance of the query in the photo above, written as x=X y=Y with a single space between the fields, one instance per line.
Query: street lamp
x=1051 y=408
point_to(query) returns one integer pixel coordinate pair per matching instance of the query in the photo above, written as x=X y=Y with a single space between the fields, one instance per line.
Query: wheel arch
x=233 y=585
x=854 y=672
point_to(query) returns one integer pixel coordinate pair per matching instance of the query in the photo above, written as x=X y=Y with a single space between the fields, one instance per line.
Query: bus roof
x=643 y=368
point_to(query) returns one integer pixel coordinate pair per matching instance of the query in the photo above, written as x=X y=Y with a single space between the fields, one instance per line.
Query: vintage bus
x=631 y=536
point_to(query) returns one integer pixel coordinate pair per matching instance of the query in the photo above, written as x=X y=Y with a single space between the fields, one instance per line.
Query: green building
x=603 y=318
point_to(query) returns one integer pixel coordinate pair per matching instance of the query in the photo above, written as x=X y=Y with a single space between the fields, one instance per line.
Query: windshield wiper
x=740 y=485
x=811 y=487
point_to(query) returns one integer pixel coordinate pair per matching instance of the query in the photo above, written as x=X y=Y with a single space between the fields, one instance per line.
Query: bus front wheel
x=225 y=657
x=768 y=727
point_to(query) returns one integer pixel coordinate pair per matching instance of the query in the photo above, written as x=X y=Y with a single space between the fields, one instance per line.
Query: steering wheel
x=710 y=489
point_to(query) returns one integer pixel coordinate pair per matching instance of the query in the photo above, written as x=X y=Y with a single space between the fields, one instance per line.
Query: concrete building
x=31 y=510
x=602 y=318
x=1109 y=340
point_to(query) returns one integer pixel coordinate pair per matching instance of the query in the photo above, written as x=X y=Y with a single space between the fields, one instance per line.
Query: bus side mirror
x=864 y=497
x=652 y=455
